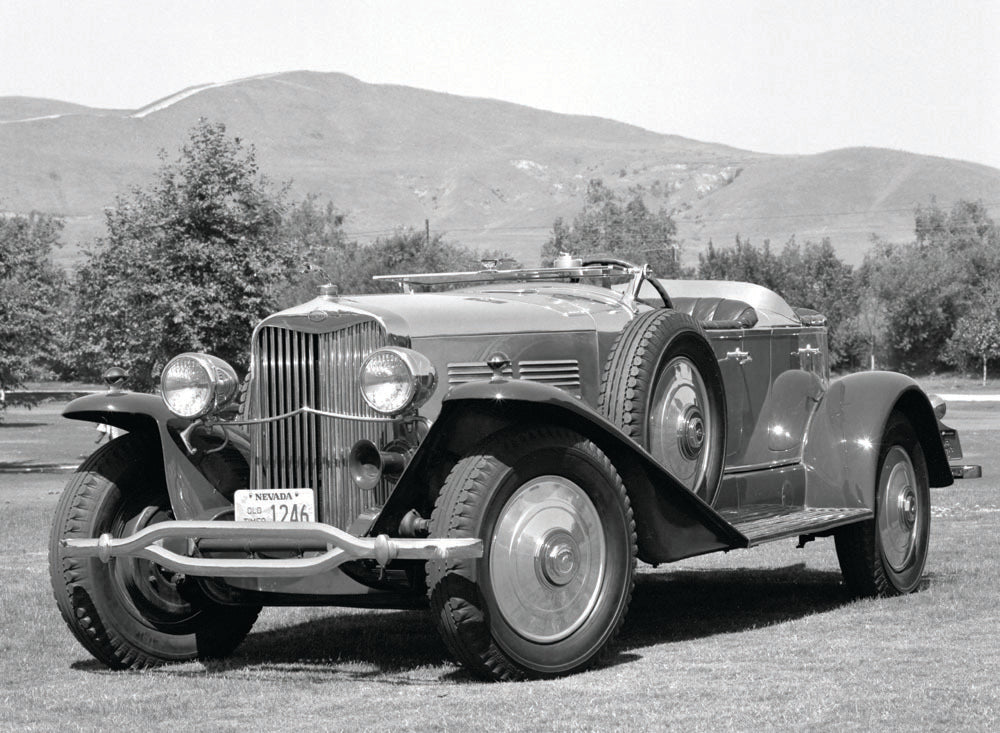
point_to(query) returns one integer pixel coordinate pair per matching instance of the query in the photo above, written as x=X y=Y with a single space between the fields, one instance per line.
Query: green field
x=752 y=640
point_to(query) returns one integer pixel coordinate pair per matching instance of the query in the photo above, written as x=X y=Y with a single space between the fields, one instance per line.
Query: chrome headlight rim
x=220 y=385
x=421 y=379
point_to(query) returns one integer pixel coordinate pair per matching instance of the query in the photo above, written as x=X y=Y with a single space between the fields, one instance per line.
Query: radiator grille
x=292 y=369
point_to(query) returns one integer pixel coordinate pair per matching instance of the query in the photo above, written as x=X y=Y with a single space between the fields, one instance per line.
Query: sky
x=772 y=76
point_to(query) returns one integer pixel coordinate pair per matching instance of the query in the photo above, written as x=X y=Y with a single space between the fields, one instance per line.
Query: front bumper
x=337 y=546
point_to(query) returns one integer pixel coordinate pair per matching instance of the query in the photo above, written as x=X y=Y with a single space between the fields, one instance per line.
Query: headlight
x=394 y=379
x=197 y=384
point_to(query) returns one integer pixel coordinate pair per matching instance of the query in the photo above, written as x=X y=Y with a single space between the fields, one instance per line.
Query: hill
x=486 y=172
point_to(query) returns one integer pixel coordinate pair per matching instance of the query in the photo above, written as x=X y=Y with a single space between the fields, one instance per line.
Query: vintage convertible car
x=503 y=448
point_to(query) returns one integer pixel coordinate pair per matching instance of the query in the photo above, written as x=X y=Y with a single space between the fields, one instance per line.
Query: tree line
x=193 y=261
x=928 y=305
x=189 y=263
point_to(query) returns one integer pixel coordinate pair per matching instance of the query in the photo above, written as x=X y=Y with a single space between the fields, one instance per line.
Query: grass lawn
x=751 y=640
x=952 y=383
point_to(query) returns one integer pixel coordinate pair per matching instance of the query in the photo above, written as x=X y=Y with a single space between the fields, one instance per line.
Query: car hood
x=481 y=310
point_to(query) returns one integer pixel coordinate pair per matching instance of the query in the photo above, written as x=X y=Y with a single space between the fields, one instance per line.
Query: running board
x=775 y=523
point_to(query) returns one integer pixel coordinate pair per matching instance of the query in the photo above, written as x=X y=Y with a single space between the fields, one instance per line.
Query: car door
x=774 y=379
x=744 y=359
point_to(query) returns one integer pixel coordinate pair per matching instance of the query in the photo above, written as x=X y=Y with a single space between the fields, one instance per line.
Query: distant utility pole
x=427 y=232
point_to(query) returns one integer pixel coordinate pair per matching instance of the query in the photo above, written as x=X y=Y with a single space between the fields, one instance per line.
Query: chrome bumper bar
x=966 y=470
x=340 y=547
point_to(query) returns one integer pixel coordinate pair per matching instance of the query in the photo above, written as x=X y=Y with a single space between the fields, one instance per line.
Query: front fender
x=192 y=494
x=671 y=522
x=843 y=441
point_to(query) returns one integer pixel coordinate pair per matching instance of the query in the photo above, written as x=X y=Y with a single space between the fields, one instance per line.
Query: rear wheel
x=663 y=387
x=132 y=613
x=555 y=581
x=885 y=556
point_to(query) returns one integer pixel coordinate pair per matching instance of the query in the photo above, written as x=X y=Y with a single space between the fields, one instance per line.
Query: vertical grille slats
x=312 y=434
x=296 y=368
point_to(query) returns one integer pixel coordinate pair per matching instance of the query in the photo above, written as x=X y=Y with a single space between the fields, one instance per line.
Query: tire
x=552 y=589
x=662 y=386
x=130 y=613
x=885 y=556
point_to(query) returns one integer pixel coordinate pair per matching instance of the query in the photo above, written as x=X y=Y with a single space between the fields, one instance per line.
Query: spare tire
x=662 y=386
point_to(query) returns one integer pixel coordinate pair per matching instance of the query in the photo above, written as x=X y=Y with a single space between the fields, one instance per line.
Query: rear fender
x=844 y=437
x=192 y=494
x=671 y=522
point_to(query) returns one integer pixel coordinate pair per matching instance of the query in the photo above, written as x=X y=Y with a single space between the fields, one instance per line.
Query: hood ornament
x=497 y=362
x=115 y=378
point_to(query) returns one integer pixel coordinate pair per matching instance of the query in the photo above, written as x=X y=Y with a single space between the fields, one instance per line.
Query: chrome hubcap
x=559 y=558
x=908 y=508
x=680 y=427
x=691 y=433
x=899 y=521
x=547 y=559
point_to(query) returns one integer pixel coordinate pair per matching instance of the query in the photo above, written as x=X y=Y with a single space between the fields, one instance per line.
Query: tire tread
x=461 y=622
x=631 y=368
x=72 y=577
x=861 y=564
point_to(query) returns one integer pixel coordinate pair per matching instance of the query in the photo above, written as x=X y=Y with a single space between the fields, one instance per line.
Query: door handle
x=808 y=350
x=742 y=357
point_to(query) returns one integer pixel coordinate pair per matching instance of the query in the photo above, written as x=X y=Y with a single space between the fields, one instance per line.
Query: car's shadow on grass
x=348 y=642
x=692 y=604
x=667 y=607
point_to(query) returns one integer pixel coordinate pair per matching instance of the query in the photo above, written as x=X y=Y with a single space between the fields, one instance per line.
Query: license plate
x=275 y=505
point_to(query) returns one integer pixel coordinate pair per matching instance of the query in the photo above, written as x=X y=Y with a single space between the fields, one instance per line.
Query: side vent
x=561 y=373
x=460 y=372
x=564 y=373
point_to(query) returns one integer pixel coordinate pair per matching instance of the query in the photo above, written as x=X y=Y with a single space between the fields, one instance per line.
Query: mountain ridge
x=486 y=172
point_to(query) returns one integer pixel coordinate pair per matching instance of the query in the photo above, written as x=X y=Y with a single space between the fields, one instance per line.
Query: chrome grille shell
x=296 y=363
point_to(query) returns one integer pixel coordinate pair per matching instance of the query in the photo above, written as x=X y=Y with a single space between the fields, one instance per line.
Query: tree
x=189 y=264
x=316 y=233
x=815 y=277
x=620 y=226
x=977 y=333
x=919 y=302
x=964 y=243
x=31 y=298
x=924 y=288
x=975 y=337
x=743 y=262
x=867 y=329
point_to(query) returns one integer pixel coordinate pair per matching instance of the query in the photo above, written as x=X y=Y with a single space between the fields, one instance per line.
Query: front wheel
x=131 y=613
x=553 y=586
x=885 y=556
